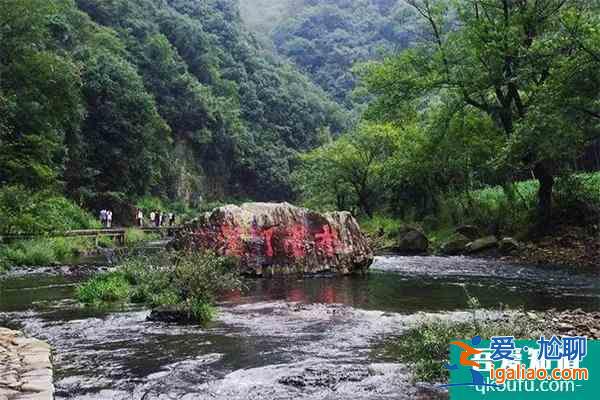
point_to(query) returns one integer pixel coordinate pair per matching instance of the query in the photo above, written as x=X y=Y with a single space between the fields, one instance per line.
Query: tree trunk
x=546 y=180
x=365 y=205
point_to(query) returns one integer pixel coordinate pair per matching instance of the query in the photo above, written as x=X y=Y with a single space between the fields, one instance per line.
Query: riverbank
x=570 y=247
x=567 y=246
x=46 y=252
x=424 y=347
x=25 y=367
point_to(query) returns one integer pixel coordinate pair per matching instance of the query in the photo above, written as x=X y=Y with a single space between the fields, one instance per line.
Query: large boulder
x=412 y=241
x=270 y=238
x=455 y=245
x=508 y=245
x=486 y=243
x=470 y=231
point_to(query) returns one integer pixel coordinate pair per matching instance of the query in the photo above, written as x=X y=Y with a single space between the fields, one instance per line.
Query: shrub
x=577 y=198
x=190 y=282
x=201 y=311
x=202 y=276
x=425 y=347
x=148 y=204
x=512 y=209
x=32 y=252
x=25 y=212
x=43 y=251
x=109 y=287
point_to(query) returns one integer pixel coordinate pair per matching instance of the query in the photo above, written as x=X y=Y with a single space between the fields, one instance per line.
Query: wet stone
x=321 y=377
x=26 y=371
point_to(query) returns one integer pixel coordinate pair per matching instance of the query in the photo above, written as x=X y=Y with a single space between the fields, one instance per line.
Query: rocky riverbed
x=25 y=367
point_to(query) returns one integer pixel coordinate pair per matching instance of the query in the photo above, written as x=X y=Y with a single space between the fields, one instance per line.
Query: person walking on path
x=140 y=218
x=157 y=219
x=171 y=219
x=103 y=217
x=152 y=218
x=109 y=216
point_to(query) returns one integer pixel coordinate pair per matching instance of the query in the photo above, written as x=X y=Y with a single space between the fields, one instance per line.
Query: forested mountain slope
x=326 y=38
x=124 y=98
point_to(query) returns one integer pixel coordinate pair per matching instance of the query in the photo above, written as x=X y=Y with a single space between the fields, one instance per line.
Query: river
x=313 y=338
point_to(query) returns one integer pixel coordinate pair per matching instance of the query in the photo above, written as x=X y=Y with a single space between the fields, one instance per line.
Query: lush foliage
x=115 y=100
x=43 y=251
x=189 y=283
x=521 y=71
x=326 y=38
x=108 y=287
x=25 y=212
x=492 y=94
x=425 y=347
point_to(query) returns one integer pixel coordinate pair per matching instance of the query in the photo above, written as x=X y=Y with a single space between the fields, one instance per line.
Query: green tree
x=40 y=96
x=351 y=170
x=513 y=61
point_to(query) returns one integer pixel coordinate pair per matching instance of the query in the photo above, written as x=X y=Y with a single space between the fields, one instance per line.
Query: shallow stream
x=288 y=338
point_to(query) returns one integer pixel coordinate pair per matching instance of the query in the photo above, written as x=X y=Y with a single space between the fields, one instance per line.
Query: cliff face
x=280 y=238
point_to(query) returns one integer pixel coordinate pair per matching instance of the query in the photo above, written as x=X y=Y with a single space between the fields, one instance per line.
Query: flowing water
x=281 y=338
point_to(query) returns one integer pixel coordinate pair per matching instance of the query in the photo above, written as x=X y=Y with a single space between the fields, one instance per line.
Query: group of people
x=106 y=217
x=157 y=218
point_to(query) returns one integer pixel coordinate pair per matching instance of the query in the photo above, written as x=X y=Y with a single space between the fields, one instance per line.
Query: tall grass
x=107 y=287
x=512 y=209
x=135 y=236
x=43 y=251
x=189 y=283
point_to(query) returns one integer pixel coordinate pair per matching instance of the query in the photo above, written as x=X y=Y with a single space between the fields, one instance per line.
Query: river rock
x=470 y=231
x=171 y=314
x=508 y=245
x=456 y=244
x=25 y=367
x=486 y=243
x=412 y=241
x=270 y=238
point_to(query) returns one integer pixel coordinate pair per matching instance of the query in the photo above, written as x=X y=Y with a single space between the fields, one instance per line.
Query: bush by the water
x=108 y=287
x=188 y=282
x=426 y=347
x=43 y=251
x=25 y=212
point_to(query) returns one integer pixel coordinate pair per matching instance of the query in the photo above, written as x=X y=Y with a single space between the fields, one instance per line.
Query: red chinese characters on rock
x=327 y=240
x=264 y=235
x=295 y=241
x=268 y=237
x=232 y=238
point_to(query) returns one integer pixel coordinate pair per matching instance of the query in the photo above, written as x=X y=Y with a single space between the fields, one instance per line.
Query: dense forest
x=115 y=100
x=484 y=119
x=439 y=111
x=327 y=38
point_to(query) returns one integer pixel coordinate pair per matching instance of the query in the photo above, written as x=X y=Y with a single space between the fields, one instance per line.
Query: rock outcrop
x=486 y=243
x=25 y=367
x=470 y=231
x=270 y=238
x=455 y=245
x=508 y=245
x=412 y=241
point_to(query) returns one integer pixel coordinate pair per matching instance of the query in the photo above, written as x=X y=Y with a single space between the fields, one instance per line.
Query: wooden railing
x=119 y=234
